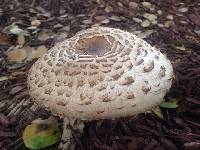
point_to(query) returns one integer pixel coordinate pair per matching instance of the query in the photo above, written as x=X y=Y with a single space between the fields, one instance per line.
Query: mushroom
x=100 y=73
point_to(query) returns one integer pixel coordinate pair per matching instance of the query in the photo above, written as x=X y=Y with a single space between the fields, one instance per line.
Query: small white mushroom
x=100 y=73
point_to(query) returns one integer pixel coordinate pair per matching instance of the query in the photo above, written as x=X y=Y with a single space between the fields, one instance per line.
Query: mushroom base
x=67 y=141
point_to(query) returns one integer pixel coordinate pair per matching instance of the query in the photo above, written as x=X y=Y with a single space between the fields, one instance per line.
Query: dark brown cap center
x=97 y=45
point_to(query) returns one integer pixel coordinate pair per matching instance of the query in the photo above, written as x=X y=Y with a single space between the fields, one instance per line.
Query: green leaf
x=171 y=104
x=41 y=133
x=158 y=112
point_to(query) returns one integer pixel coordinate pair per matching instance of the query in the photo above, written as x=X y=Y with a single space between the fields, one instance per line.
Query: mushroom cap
x=100 y=73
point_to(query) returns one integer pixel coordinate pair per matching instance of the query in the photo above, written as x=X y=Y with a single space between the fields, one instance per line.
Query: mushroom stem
x=69 y=126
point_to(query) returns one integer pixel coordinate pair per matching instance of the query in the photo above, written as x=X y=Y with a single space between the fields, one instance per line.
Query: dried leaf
x=180 y=48
x=159 y=12
x=39 y=52
x=35 y=22
x=168 y=24
x=170 y=17
x=58 y=25
x=115 y=18
x=43 y=36
x=137 y=20
x=4 y=39
x=14 y=29
x=17 y=55
x=3 y=78
x=146 y=4
x=108 y=9
x=100 y=18
x=106 y=21
x=21 y=39
x=11 y=66
x=145 y=34
x=88 y=21
x=133 y=5
x=150 y=17
x=183 y=10
x=145 y=23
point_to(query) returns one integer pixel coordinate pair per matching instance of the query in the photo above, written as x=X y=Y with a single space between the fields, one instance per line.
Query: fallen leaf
x=3 y=78
x=183 y=10
x=32 y=28
x=159 y=12
x=43 y=36
x=145 y=34
x=100 y=18
x=41 y=133
x=197 y=32
x=170 y=17
x=108 y=9
x=168 y=24
x=150 y=17
x=158 y=112
x=58 y=25
x=133 y=5
x=137 y=20
x=17 y=55
x=120 y=4
x=115 y=18
x=14 y=29
x=15 y=65
x=160 y=25
x=88 y=21
x=145 y=23
x=180 y=48
x=35 y=22
x=170 y=104
x=4 y=39
x=21 y=39
x=29 y=52
x=39 y=51
x=146 y=4
x=106 y=21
